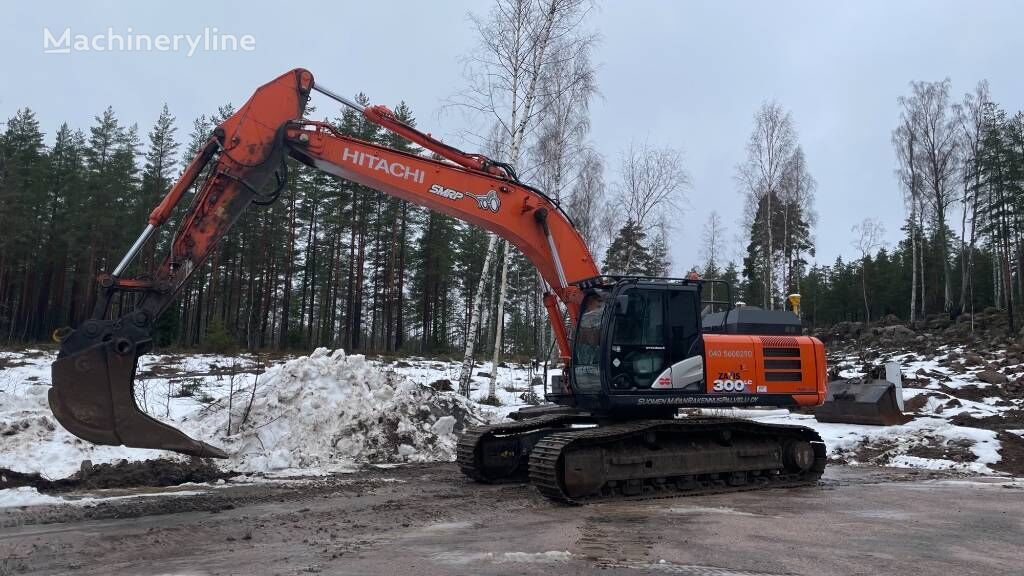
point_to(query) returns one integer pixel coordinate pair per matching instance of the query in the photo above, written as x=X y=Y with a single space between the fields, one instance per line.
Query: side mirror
x=621 y=305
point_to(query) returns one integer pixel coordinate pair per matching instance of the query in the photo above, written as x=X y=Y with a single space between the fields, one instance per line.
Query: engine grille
x=781 y=359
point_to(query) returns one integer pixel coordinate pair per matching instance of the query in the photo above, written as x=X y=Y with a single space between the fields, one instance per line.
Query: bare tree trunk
x=474 y=321
x=963 y=253
x=913 y=270
x=500 y=321
x=864 y=288
x=770 y=282
x=920 y=257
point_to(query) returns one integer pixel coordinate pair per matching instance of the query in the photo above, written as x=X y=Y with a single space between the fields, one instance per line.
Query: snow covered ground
x=331 y=412
x=323 y=412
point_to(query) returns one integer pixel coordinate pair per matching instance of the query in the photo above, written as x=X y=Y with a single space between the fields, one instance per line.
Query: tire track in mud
x=614 y=538
x=622 y=537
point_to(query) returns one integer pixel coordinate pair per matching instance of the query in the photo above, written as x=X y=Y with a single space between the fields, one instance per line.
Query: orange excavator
x=634 y=349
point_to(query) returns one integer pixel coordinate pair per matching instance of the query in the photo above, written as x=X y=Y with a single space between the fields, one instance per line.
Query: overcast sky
x=683 y=74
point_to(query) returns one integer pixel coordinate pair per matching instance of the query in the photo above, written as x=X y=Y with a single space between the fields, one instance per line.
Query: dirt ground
x=428 y=520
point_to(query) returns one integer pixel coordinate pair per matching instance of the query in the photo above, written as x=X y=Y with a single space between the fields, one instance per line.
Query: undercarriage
x=577 y=458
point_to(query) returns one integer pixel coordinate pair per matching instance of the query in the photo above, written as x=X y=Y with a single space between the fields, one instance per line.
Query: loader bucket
x=93 y=397
x=870 y=401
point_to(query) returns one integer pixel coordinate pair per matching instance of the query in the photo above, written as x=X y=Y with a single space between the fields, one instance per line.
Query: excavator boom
x=93 y=378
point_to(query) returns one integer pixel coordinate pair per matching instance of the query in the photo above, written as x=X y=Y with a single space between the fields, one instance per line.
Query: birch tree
x=904 y=139
x=652 y=183
x=500 y=324
x=868 y=236
x=521 y=42
x=650 y=190
x=938 y=161
x=970 y=117
x=712 y=248
x=762 y=176
x=798 y=218
x=586 y=203
x=566 y=89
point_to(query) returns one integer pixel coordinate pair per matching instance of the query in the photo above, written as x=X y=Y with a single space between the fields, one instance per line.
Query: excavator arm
x=243 y=163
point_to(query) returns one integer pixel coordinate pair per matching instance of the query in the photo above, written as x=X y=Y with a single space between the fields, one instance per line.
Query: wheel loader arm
x=93 y=378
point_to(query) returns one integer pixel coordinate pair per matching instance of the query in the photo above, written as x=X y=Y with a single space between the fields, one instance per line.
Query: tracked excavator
x=634 y=350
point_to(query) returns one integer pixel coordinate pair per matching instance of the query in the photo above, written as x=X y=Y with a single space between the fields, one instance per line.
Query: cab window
x=683 y=322
x=638 y=340
x=587 y=347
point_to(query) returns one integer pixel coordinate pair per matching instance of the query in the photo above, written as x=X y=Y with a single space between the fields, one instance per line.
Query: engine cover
x=771 y=365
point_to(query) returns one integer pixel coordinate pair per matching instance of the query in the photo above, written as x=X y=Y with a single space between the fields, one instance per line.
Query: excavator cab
x=644 y=348
x=636 y=337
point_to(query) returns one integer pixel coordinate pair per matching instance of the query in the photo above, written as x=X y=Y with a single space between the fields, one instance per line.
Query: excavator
x=634 y=350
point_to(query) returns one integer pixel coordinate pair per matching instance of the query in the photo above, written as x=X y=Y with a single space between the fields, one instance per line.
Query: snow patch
x=533 y=557
x=26 y=496
x=709 y=510
x=463 y=558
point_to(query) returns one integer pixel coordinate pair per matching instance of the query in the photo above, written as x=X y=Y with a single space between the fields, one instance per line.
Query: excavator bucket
x=93 y=397
x=872 y=401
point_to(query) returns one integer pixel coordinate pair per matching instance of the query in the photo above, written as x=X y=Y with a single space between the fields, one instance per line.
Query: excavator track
x=498 y=453
x=663 y=458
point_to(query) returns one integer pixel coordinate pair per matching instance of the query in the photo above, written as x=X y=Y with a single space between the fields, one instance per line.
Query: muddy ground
x=427 y=520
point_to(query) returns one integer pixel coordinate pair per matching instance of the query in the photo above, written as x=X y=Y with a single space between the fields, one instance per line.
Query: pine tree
x=22 y=194
x=158 y=173
x=627 y=254
x=659 y=262
x=64 y=235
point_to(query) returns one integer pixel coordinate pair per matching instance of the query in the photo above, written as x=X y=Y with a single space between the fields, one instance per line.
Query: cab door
x=637 y=351
x=655 y=340
x=685 y=371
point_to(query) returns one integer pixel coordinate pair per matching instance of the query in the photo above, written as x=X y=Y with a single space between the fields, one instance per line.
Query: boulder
x=442 y=385
x=972 y=359
x=889 y=320
x=991 y=377
x=898 y=331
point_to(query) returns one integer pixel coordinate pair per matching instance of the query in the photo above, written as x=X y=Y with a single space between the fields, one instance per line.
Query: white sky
x=685 y=74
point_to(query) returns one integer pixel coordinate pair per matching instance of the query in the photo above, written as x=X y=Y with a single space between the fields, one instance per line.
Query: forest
x=332 y=263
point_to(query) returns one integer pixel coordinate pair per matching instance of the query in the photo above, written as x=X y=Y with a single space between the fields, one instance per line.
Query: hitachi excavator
x=634 y=349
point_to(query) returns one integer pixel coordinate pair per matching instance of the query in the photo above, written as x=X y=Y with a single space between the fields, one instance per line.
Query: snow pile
x=330 y=409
